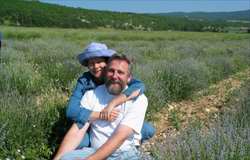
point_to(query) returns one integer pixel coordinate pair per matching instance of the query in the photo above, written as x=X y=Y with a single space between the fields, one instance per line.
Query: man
x=117 y=139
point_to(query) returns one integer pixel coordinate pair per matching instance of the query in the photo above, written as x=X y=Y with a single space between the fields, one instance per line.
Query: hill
x=37 y=14
x=236 y=16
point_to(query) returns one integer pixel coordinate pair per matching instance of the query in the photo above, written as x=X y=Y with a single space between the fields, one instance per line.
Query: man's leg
x=71 y=140
x=131 y=154
x=78 y=154
x=147 y=131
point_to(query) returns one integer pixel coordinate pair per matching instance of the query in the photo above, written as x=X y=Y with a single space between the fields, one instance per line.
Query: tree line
x=37 y=14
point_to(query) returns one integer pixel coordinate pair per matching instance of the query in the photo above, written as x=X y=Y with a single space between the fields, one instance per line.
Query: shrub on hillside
x=220 y=67
x=181 y=79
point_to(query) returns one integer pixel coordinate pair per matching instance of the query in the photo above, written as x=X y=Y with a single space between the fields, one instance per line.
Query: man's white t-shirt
x=132 y=114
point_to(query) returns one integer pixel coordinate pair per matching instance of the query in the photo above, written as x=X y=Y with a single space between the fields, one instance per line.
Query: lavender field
x=38 y=70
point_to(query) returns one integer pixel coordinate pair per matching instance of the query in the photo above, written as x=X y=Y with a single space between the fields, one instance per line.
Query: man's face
x=117 y=76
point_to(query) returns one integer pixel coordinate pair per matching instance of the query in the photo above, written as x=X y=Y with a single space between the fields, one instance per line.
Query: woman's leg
x=85 y=141
x=71 y=140
x=147 y=131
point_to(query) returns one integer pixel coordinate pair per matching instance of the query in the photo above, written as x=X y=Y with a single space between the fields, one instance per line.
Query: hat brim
x=85 y=56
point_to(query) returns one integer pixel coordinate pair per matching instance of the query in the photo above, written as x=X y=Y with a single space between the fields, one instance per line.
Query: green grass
x=38 y=70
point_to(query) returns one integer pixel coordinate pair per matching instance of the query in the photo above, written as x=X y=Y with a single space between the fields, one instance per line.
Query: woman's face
x=97 y=66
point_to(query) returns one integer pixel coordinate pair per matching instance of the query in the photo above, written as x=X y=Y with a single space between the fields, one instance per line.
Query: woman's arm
x=135 y=88
x=81 y=115
x=74 y=111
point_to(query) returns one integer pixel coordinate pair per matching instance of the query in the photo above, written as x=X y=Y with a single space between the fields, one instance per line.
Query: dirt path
x=204 y=106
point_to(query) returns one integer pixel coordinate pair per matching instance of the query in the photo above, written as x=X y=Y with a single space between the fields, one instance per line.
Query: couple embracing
x=108 y=109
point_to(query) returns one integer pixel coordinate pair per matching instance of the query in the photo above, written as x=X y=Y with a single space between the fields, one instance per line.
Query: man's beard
x=114 y=87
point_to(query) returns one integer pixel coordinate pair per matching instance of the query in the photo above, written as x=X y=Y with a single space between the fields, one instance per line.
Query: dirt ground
x=204 y=106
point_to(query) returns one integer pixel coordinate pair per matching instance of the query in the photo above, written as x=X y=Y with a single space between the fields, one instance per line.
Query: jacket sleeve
x=74 y=111
x=134 y=85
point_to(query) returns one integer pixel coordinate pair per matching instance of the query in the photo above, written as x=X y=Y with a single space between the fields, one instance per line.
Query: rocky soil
x=204 y=106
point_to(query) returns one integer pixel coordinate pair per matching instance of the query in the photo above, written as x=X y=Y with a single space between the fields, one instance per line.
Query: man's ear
x=130 y=78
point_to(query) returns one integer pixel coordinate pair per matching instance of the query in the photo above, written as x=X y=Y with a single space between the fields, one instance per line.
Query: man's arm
x=131 y=123
x=113 y=143
x=71 y=140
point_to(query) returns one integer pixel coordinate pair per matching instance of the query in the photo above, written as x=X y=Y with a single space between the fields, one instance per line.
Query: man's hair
x=121 y=57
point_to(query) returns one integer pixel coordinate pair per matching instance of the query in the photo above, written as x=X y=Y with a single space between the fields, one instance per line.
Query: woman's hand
x=109 y=114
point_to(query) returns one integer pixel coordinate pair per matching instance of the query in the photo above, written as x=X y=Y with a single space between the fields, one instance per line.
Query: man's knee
x=78 y=154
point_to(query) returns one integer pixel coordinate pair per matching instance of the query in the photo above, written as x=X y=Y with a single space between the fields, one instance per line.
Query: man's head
x=118 y=73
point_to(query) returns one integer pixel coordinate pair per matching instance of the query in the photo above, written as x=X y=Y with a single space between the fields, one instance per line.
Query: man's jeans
x=131 y=154
x=147 y=132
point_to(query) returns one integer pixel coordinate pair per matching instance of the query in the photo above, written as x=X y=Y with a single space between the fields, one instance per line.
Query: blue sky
x=157 y=6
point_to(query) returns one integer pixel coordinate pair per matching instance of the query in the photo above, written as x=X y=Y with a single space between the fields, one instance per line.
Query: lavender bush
x=227 y=138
